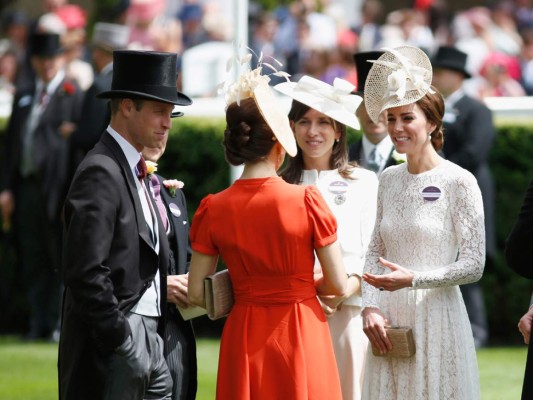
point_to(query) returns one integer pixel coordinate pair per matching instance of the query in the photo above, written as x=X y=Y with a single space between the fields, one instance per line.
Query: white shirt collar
x=53 y=84
x=108 y=67
x=454 y=97
x=131 y=153
x=383 y=148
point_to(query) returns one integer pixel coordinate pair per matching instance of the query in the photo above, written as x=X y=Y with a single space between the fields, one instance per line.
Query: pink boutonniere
x=68 y=88
x=172 y=185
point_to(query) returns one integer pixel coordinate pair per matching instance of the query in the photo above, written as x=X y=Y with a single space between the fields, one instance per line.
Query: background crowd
x=314 y=38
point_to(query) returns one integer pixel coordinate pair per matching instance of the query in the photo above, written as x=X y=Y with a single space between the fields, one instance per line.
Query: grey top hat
x=147 y=75
x=110 y=36
x=451 y=58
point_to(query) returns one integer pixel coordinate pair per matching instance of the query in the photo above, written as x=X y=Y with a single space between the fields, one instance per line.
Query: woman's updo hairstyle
x=432 y=105
x=247 y=137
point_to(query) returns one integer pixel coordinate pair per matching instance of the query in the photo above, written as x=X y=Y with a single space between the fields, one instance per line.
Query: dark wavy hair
x=432 y=105
x=247 y=137
x=292 y=172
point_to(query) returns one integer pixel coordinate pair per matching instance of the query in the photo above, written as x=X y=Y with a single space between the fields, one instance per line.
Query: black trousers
x=39 y=249
x=180 y=354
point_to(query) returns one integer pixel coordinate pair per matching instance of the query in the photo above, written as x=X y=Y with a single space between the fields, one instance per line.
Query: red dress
x=276 y=342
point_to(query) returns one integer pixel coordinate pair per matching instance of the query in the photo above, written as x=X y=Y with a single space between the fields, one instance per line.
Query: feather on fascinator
x=253 y=84
x=399 y=77
x=336 y=101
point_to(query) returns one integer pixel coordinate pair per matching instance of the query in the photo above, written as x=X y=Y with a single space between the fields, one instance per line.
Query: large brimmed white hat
x=336 y=101
x=399 y=77
x=253 y=84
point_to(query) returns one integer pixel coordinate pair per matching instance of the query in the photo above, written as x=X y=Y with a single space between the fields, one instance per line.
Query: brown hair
x=432 y=105
x=292 y=172
x=115 y=104
x=247 y=137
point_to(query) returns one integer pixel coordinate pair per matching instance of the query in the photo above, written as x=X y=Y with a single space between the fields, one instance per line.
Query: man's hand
x=524 y=325
x=177 y=290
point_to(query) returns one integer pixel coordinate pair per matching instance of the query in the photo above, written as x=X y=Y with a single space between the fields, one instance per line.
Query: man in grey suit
x=374 y=150
x=116 y=255
x=469 y=133
x=35 y=178
x=180 y=343
x=95 y=114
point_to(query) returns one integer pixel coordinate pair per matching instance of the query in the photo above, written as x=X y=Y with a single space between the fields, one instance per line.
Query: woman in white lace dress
x=428 y=239
x=319 y=119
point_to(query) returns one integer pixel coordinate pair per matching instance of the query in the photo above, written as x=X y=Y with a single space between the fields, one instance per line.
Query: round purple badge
x=431 y=193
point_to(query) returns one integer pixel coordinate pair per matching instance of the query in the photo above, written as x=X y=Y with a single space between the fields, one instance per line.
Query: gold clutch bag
x=218 y=294
x=403 y=342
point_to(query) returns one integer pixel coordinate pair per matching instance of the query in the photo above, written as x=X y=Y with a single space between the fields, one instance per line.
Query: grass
x=28 y=371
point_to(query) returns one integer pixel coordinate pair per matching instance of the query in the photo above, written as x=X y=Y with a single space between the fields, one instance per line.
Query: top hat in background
x=147 y=75
x=46 y=45
x=110 y=37
x=451 y=58
x=362 y=67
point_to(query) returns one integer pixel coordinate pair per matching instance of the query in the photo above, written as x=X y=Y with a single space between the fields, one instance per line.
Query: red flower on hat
x=69 y=88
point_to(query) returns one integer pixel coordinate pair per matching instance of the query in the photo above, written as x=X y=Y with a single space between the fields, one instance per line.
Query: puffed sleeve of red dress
x=200 y=234
x=321 y=218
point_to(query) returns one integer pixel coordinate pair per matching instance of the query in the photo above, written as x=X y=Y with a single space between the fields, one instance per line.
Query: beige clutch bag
x=403 y=342
x=218 y=294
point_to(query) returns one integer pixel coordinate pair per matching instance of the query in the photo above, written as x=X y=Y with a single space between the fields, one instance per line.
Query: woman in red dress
x=276 y=343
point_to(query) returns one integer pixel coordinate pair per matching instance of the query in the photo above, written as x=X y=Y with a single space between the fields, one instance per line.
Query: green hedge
x=194 y=155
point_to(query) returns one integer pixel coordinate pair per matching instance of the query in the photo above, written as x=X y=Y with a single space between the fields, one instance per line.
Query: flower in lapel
x=68 y=88
x=398 y=157
x=151 y=167
x=172 y=185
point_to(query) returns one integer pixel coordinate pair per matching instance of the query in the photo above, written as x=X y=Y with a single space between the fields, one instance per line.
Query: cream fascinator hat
x=336 y=101
x=400 y=76
x=251 y=83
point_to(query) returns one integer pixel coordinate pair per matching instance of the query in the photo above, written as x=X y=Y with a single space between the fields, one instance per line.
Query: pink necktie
x=156 y=190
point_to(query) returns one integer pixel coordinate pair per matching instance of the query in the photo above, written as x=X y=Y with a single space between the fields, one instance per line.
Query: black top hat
x=450 y=58
x=147 y=75
x=362 y=67
x=45 y=45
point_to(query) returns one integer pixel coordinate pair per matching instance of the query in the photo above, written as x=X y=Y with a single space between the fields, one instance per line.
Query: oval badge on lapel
x=174 y=209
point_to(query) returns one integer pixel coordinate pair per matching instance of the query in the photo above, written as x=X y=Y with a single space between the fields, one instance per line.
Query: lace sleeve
x=376 y=249
x=469 y=227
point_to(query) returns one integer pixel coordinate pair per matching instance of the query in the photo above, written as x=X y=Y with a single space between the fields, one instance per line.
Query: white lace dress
x=433 y=224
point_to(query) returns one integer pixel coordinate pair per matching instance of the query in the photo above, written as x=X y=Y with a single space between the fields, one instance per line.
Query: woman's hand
x=330 y=304
x=374 y=327
x=399 y=278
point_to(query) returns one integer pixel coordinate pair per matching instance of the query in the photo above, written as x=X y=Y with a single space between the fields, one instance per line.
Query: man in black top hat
x=375 y=149
x=469 y=133
x=116 y=254
x=34 y=181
